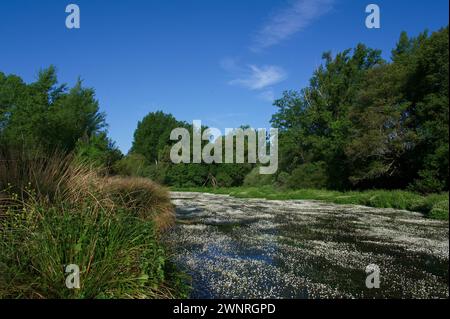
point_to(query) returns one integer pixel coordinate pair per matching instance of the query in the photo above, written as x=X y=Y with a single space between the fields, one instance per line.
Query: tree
x=44 y=116
x=153 y=134
x=99 y=151
x=314 y=123
x=370 y=122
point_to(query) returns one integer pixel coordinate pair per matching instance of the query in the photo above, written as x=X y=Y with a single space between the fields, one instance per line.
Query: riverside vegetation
x=54 y=212
x=69 y=196
x=365 y=131
x=61 y=205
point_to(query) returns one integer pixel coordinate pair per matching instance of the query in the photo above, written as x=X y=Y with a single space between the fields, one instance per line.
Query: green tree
x=99 y=151
x=153 y=134
x=315 y=122
x=44 y=116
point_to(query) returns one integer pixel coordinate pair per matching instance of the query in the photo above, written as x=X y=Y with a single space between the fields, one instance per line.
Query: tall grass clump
x=143 y=197
x=54 y=213
x=52 y=178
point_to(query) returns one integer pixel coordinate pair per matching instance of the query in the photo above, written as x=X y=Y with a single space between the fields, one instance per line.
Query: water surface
x=255 y=248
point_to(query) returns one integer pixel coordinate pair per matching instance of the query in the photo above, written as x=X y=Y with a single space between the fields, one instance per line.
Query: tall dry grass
x=58 y=178
x=51 y=178
x=142 y=196
x=55 y=212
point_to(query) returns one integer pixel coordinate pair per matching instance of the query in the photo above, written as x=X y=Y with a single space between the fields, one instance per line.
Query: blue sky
x=219 y=61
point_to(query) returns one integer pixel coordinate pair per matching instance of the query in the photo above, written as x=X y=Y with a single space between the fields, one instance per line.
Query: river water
x=255 y=248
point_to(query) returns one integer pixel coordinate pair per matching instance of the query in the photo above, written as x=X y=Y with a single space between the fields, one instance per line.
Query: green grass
x=118 y=256
x=434 y=206
x=54 y=213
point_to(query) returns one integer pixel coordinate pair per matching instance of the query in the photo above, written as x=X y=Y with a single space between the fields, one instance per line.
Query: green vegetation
x=45 y=116
x=150 y=157
x=362 y=123
x=367 y=123
x=59 y=204
x=69 y=196
x=55 y=212
x=434 y=206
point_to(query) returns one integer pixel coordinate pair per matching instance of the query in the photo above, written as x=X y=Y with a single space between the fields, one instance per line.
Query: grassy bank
x=54 y=213
x=434 y=206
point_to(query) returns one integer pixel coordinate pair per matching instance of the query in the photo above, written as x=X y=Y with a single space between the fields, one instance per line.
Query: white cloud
x=290 y=20
x=258 y=78
x=267 y=95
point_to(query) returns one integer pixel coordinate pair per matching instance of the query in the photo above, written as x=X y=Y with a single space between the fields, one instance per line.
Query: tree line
x=364 y=122
x=361 y=123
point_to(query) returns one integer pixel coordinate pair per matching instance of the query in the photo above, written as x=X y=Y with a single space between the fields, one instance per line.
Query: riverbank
x=68 y=232
x=434 y=206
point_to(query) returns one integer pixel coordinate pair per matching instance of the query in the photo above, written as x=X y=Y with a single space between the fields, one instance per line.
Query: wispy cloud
x=258 y=78
x=267 y=95
x=290 y=20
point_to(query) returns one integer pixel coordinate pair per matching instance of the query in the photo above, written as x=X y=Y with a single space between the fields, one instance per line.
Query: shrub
x=158 y=173
x=224 y=180
x=282 y=179
x=52 y=179
x=54 y=212
x=140 y=196
x=99 y=151
x=440 y=210
x=428 y=182
x=131 y=165
x=118 y=255
x=254 y=178
x=310 y=175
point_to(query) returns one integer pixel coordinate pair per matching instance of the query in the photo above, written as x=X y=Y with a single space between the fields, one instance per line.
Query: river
x=256 y=248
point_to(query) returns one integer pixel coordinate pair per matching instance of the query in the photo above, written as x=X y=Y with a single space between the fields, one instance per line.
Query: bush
x=140 y=196
x=187 y=175
x=54 y=213
x=131 y=165
x=98 y=151
x=224 y=180
x=282 y=179
x=440 y=210
x=310 y=175
x=118 y=255
x=254 y=178
x=52 y=179
x=158 y=173
x=429 y=182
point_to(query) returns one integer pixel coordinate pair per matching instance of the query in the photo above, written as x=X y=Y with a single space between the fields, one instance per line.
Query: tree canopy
x=43 y=117
x=373 y=123
x=362 y=122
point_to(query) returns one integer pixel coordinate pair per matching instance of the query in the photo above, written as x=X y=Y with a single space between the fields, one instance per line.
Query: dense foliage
x=44 y=117
x=58 y=206
x=56 y=212
x=362 y=123
x=150 y=157
x=367 y=123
